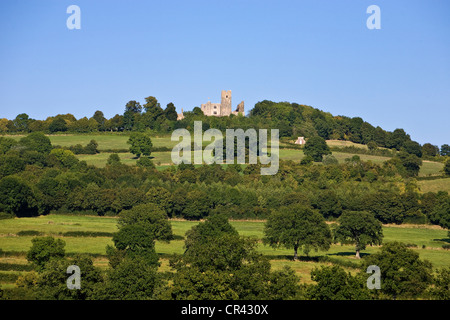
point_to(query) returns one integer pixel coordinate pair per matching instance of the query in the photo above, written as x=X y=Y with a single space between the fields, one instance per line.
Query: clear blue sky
x=318 y=53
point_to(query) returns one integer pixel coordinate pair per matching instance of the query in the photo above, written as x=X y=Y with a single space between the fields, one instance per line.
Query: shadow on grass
x=447 y=240
x=347 y=254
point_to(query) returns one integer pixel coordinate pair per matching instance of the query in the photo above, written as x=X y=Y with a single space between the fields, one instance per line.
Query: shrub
x=25 y=233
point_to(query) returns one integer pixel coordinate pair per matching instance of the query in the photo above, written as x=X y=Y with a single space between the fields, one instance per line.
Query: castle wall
x=225 y=109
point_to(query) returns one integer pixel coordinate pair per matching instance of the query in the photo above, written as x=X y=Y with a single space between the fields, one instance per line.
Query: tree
x=220 y=264
x=316 y=147
x=430 y=150
x=407 y=164
x=447 y=167
x=66 y=158
x=140 y=144
x=196 y=205
x=91 y=147
x=134 y=241
x=51 y=281
x=413 y=147
x=441 y=285
x=328 y=203
x=372 y=145
x=329 y=160
x=113 y=159
x=133 y=107
x=131 y=279
x=100 y=118
x=58 y=124
x=17 y=197
x=359 y=228
x=215 y=244
x=297 y=227
x=403 y=274
x=333 y=283
x=151 y=217
x=145 y=163
x=43 y=249
x=21 y=122
x=440 y=212
x=37 y=141
x=139 y=227
x=170 y=112
x=445 y=150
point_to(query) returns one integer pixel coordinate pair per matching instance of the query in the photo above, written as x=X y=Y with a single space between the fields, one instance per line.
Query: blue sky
x=318 y=53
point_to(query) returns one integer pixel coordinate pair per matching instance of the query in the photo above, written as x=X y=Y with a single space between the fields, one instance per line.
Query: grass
x=109 y=141
x=434 y=185
x=105 y=140
x=431 y=236
x=15 y=247
x=430 y=168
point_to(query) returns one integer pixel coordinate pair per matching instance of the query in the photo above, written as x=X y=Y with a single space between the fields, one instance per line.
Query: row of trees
x=36 y=179
x=291 y=119
x=217 y=263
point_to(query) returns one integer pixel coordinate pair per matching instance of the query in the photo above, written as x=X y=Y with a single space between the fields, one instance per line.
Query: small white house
x=300 y=140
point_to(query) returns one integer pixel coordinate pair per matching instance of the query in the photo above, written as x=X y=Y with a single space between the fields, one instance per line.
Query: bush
x=26 y=233
x=329 y=160
x=4 y=215
x=446 y=246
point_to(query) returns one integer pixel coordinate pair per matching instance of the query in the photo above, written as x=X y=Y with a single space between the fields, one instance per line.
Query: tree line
x=291 y=119
x=218 y=264
x=36 y=178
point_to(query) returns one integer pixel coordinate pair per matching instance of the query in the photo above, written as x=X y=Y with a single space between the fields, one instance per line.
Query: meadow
x=14 y=241
x=117 y=141
x=426 y=240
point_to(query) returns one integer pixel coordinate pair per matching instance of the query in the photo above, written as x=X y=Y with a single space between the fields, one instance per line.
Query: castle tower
x=225 y=105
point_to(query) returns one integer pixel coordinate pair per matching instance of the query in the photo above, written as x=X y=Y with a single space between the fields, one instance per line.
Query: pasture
x=426 y=240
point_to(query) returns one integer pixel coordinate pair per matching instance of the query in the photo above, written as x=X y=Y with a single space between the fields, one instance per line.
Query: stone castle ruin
x=221 y=109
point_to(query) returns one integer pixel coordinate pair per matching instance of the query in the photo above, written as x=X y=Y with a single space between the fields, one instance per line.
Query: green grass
x=431 y=236
x=434 y=185
x=105 y=141
x=108 y=141
x=430 y=168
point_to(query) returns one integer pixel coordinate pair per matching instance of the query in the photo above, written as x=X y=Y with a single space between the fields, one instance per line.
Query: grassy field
x=428 y=241
x=435 y=185
x=109 y=141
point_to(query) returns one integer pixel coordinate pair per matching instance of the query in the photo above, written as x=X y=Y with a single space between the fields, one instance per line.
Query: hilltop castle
x=219 y=109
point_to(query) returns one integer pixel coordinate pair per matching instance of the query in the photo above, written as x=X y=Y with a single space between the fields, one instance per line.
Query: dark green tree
x=403 y=274
x=100 y=118
x=170 y=112
x=113 y=159
x=334 y=283
x=430 y=150
x=17 y=197
x=441 y=285
x=58 y=124
x=445 y=150
x=132 y=279
x=297 y=227
x=140 y=144
x=43 y=249
x=447 y=167
x=359 y=228
x=21 y=122
x=316 y=147
x=37 y=141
